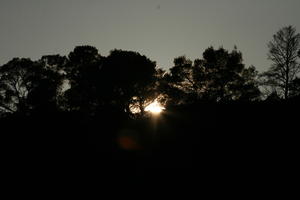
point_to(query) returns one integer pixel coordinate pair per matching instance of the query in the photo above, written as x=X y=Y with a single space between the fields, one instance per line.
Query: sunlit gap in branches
x=154 y=107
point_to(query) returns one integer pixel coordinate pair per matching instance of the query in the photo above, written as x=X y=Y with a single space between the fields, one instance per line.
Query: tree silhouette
x=82 y=71
x=129 y=78
x=17 y=80
x=45 y=96
x=26 y=85
x=122 y=79
x=148 y=93
x=283 y=51
x=179 y=84
x=219 y=76
x=226 y=77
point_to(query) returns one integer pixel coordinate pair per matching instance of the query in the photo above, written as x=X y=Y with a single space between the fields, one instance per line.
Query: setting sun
x=154 y=107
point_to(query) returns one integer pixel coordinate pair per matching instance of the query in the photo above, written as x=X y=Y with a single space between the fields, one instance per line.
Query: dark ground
x=233 y=145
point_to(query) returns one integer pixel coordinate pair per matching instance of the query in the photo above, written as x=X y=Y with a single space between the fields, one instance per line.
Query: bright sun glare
x=154 y=107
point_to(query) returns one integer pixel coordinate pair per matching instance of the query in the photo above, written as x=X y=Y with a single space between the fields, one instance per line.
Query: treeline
x=125 y=81
x=90 y=108
x=87 y=82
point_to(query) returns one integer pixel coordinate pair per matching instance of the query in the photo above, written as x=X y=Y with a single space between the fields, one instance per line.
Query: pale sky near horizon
x=159 y=29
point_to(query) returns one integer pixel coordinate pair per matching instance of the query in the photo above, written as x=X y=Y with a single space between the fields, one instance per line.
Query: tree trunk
x=286 y=89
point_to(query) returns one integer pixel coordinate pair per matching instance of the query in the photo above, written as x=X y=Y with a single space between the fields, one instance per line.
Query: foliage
x=219 y=76
x=130 y=77
x=118 y=80
x=82 y=72
x=19 y=77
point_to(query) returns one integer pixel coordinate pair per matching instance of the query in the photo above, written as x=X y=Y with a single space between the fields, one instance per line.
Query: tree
x=183 y=83
x=129 y=78
x=148 y=94
x=17 y=80
x=226 y=77
x=119 y=81
x=283 y=51
x=27 y=85
x=219 y=76
x=82 y=71
x=45 y=96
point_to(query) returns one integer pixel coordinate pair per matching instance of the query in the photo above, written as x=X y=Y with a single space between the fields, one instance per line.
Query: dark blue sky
x=160 y=29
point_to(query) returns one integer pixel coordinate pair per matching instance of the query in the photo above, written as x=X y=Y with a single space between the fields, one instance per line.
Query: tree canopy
x=219 y=76
x=127 y=82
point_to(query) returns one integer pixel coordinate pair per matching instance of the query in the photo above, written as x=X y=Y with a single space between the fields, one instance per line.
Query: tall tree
x=82 y=71
x=283 y=50
x=130 y=79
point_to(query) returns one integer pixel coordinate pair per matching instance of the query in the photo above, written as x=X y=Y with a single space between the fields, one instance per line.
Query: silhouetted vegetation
x=89 y=110
x=220 y=76
x=283 y=51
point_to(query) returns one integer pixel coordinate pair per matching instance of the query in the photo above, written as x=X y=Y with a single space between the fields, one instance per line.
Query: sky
x=159 y=29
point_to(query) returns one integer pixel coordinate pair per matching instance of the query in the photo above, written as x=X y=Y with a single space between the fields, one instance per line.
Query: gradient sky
x=159 y=29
